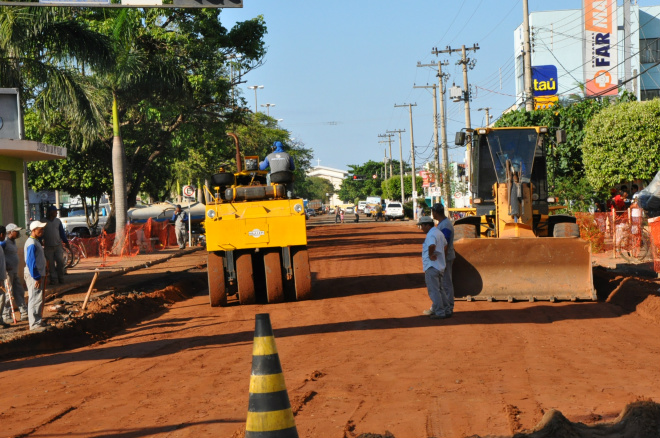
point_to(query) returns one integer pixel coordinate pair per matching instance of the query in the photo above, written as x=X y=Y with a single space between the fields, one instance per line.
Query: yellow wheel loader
x=510 y=247
x=256 y=237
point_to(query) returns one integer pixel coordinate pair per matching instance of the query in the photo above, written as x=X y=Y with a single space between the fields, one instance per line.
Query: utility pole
x=412 y=157
x=400 y=159
x=466 y=63
x=389 y=141
x=465 y=95
x=436 y=161
x=442 y=77
x=527 y=59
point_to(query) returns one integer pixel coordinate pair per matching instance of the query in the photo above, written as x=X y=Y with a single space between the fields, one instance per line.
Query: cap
x=425 y=220
x=13 y=227
x=52 y=208
x=37 y=224
x=438 y=207
x=178 y=206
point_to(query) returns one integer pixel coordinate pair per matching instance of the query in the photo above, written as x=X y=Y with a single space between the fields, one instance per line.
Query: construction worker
x=279 y=161
x=180 y=218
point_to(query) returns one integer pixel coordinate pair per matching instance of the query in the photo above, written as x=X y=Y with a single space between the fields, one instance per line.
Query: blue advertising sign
x=544 y=80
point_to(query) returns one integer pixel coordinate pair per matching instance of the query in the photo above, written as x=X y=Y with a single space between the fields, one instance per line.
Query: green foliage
x=392 y=187
x=315 y=187
x=622 y=143
x=360 y=189
x=566 y=166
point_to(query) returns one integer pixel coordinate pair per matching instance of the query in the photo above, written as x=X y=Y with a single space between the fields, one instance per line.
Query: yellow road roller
x=510 y=247
x=256 y=237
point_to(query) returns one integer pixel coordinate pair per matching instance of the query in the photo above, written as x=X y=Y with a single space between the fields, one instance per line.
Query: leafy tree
x=392 y=186
x=85 y=172
x=316 y=187
x=42 y=51
x=365 y=184
x=622 y=143
x=566 y=169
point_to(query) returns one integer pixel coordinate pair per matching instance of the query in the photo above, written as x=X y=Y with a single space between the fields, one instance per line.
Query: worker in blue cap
x=279 y=161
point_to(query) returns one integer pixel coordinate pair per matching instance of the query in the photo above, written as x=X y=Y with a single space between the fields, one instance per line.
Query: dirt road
x=358 y=358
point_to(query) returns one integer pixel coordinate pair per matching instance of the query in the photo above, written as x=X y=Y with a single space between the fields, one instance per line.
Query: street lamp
x=487 y=109
x=268 y=105
x=255 y=88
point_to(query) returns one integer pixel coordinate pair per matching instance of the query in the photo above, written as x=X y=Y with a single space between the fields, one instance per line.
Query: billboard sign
x=544 y=80
x=600 y=58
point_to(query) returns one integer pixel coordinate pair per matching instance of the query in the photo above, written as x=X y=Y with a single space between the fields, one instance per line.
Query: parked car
x=394 y=211
x=331 y=210
x=349 y=210
x=361 y=206
x=310 y=212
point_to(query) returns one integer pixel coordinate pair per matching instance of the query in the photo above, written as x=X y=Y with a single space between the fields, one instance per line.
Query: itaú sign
x=600 y=55
x=544 y=80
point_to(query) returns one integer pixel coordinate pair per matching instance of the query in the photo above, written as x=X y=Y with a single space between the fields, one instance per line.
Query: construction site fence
x=627 y=231
x=143 y=238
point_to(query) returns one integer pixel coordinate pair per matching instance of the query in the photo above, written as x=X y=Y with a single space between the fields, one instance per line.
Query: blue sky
x=335 y=70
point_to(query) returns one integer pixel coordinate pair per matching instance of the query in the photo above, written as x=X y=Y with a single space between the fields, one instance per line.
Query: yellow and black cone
x=269 y=409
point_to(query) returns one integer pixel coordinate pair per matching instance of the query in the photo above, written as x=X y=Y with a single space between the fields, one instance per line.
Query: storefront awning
x=31 y=150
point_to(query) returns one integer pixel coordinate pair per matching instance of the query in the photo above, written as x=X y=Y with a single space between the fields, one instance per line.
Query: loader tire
x=566 y=229
x=462 y=231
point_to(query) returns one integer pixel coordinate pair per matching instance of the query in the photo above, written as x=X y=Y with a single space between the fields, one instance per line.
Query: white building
x=335 y=176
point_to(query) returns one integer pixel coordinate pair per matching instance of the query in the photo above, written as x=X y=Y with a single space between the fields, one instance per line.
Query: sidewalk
x=83 y=273
x=618 y=264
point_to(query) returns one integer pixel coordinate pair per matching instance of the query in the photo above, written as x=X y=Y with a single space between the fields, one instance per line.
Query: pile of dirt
x=632 y=294
x=638 y=419
x=73 y=328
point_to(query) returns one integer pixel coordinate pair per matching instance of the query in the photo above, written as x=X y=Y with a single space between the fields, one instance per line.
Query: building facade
x=560 y=53
x=15 y=152
x=335 y=176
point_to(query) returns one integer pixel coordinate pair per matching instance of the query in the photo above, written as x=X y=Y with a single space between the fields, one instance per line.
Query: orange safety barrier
x=654 y=226
x=144 y=238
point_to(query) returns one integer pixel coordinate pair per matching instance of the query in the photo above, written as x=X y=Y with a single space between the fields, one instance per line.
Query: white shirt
x=434 y=237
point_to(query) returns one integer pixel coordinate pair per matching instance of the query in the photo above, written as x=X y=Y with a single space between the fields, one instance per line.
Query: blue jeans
x=433 y=279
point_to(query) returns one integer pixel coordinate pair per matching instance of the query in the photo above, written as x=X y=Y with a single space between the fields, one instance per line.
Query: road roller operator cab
x=255 y=237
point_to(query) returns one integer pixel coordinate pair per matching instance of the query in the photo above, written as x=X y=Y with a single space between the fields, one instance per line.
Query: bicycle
x=75 y=252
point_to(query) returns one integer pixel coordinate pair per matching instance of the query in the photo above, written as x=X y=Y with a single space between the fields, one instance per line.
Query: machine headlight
x=543 y=129
x=210 y=213
x=535 y=197
x=297 y=208
x=481 y=131
x=552 y=200
x=477 y=200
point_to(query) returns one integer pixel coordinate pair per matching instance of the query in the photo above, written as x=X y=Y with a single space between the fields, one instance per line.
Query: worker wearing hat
x=279 y=161
x=54 y=236
x=35 y=275
x=447 y=228
x=14 y=285
x=433 y=262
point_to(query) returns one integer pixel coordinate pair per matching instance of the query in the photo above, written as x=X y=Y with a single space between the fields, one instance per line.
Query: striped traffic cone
x=269 y=409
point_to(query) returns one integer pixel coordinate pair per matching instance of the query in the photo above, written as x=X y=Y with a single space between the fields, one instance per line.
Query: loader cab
x=525 y=148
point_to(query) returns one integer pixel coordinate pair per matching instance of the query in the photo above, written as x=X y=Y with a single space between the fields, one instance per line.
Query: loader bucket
x=552 y=268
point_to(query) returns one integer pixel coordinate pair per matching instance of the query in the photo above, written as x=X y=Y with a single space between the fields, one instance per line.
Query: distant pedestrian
x=13 y=283
x=447 y=229
x=337 y=214
x=35 y=275
x=180 y=218
x=3 y=275
x=433 y=262
x=341 y=216
x=53 y=238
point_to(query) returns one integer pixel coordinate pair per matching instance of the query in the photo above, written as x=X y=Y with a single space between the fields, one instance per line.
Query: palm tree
x=43 y=52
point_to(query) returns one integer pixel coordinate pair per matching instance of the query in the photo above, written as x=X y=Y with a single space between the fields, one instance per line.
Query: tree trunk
x=119 y=180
